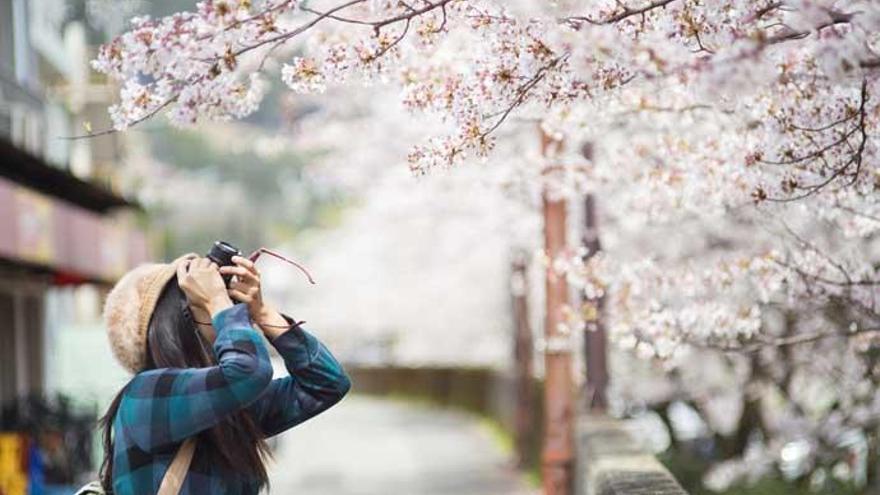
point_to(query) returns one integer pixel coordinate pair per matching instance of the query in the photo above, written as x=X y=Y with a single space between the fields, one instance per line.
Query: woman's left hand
x=245 y=288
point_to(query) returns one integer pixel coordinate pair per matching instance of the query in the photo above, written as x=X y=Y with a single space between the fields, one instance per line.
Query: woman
x=202 y=372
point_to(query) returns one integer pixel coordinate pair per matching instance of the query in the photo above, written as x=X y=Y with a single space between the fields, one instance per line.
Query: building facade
x=66 y=231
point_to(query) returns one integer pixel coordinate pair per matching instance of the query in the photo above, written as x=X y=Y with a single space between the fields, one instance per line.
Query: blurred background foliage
x=690 y=468
x=260 y=188
x=259 y=200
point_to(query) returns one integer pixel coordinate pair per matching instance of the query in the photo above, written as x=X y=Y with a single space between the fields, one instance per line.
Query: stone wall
x=611 y=462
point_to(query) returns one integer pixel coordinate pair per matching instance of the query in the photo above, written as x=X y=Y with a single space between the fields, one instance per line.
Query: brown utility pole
x=595 y=338
x=522 y=353
x=558 y=449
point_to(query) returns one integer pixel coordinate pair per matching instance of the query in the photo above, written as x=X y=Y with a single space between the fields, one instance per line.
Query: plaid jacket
x=160 y=408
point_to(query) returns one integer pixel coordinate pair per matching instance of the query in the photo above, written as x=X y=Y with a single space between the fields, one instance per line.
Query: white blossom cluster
x=188 y=62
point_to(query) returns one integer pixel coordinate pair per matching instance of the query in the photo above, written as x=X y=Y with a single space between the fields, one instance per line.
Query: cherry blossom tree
x=735 y=157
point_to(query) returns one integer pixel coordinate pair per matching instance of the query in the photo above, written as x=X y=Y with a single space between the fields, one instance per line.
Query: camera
x=222 y=253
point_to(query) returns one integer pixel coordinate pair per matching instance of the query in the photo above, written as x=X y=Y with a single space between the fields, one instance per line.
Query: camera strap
x=256 y=254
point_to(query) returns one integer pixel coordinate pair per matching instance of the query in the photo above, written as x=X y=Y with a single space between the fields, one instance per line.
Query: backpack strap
x=173 y=479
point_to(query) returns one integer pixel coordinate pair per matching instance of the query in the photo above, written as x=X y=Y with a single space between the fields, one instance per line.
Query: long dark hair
x=173 y=341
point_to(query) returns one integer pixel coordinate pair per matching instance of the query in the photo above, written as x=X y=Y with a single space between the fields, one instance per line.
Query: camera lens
x=222 y=253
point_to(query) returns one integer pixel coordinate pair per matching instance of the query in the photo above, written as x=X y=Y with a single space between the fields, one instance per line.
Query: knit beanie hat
x=128 y=309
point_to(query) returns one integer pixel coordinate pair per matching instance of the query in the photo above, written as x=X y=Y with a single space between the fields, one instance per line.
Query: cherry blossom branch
x=811 y=337
x=393 y=43
x=857 y=213
x=286 y=36
x=870 y=64
x=377 y=25
x=760 y=342
x=812 y=247
x=522 y=92
x=793 y=34
x=229 y=58
x=681 y=110
x=624 y=13
x=765 y=10
x=103 y=132
x=855 y=158
x=804 y=338
x=258 y=16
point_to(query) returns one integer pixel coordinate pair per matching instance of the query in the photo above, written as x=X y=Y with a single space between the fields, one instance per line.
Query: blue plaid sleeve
x=316 y=382
x=164 y=406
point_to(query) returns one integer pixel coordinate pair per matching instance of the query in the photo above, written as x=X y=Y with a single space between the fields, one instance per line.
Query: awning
x=73 y=244
x=25 y=169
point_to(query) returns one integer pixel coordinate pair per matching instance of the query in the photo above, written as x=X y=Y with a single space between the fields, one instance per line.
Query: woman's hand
x=200 y=280
x=245 y=288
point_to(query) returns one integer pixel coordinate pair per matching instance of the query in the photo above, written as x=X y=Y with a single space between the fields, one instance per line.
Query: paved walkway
x=367 y=446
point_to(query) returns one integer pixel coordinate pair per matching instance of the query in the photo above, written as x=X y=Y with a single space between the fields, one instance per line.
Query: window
x=8 y=372
x=7 y=48
x=21 y=342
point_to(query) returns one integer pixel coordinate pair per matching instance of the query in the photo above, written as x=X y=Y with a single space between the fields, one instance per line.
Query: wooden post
x=522 y=358
x=558 y=449
x=595 y=338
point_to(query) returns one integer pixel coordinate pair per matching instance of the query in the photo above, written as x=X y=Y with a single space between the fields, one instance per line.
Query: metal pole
x=558 y=448
x=522 y=353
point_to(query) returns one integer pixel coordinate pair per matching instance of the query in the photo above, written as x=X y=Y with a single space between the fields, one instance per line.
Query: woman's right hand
x=200 y=280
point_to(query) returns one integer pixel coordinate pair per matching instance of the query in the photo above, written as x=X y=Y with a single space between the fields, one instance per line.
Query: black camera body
x=221 y=253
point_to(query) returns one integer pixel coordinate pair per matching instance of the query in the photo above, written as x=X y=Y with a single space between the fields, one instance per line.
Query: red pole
x=558 y=448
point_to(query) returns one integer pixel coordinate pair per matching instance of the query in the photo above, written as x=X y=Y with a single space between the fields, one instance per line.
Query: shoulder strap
x=176 y=473
x=93 y=488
